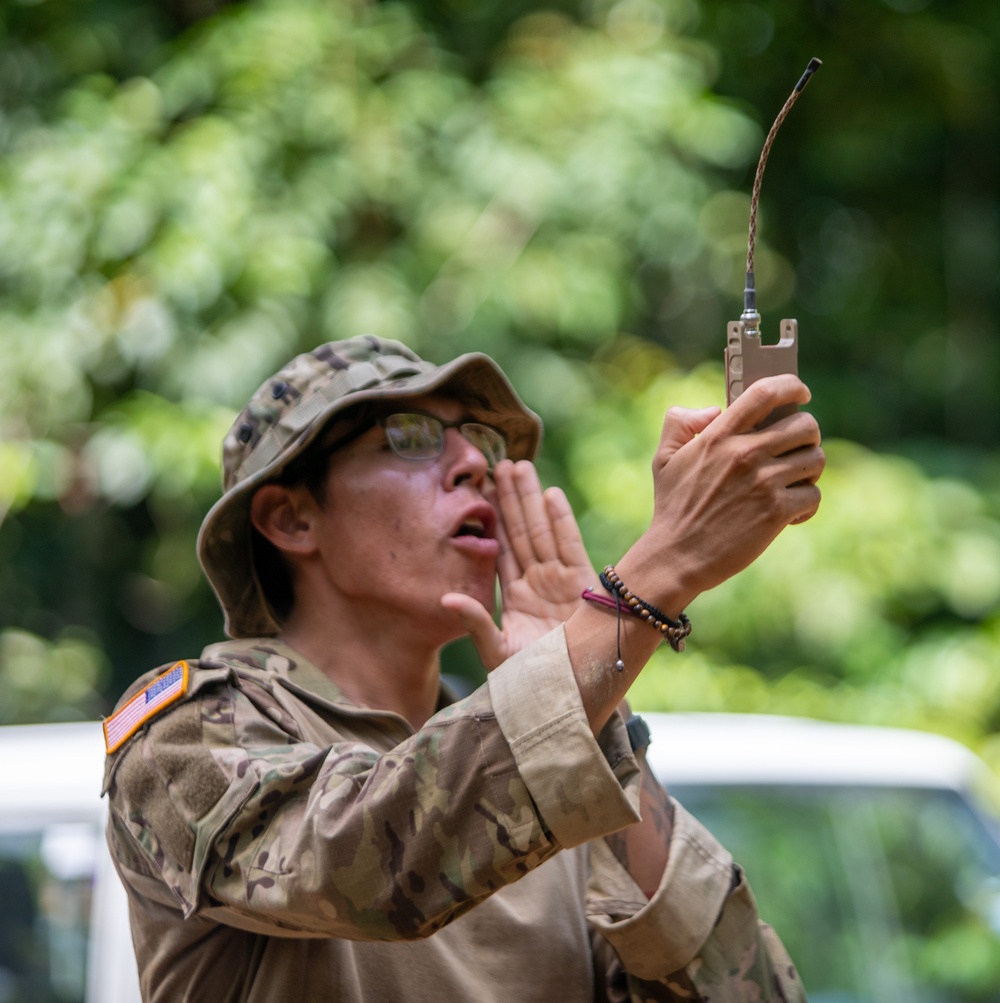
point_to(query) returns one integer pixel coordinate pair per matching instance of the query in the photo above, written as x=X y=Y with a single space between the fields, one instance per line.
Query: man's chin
x=481 y=586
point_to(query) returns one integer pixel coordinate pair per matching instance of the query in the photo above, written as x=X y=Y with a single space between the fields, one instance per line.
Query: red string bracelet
x=591 y=596
x=675 y=631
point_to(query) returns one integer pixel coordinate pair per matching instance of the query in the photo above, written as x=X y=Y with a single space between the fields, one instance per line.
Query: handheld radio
x=747 y=358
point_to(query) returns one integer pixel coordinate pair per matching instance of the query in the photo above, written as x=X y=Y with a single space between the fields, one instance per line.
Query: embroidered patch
x=161 y=692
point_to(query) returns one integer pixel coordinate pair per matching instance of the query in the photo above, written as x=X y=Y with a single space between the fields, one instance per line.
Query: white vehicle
x=64 y=933
x=874 y=852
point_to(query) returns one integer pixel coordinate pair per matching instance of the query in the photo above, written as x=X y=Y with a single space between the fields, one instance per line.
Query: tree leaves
x=568 y=193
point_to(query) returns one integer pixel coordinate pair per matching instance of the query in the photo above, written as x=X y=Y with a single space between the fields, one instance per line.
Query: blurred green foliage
x=878 y=893
x=191 y=194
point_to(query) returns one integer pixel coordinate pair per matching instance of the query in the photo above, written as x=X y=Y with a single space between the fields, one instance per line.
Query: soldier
x=305 y=813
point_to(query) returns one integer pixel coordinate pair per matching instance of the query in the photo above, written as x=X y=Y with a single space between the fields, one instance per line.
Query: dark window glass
x=46 y=884
x=880 y=895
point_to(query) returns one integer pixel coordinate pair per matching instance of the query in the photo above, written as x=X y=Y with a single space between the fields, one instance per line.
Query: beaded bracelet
x=673 y=630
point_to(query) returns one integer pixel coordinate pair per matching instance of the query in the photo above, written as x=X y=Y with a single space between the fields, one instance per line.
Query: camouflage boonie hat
x=289 y=412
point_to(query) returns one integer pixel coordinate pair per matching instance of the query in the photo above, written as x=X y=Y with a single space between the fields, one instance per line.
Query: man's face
x=398 y=533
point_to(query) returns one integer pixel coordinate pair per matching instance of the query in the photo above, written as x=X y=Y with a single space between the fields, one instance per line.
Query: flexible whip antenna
x=750 y=315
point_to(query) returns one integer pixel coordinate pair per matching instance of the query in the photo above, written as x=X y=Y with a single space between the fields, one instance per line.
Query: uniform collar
x=296 y=672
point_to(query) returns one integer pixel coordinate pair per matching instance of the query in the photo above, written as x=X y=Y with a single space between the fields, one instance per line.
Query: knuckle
x=807 y=425
x=744 y=458
x=763 y=393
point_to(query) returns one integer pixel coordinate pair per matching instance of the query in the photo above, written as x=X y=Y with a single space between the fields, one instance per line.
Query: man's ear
x=283 y=516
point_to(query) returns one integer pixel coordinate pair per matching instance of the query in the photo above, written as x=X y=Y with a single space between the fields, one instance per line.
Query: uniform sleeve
x=698 y=938
x=245 y=824
x=569 y=774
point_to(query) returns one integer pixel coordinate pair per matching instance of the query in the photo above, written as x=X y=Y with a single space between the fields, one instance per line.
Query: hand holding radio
x=726 y=484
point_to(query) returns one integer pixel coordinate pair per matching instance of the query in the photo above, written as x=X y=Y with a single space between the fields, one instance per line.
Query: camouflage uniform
x=278 y=842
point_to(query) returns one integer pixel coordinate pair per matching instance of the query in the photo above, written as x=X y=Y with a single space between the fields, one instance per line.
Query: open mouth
x=478 y=522
x=475 y=535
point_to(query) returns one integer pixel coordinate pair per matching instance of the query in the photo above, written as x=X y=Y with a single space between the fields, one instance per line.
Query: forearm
x=642 y=849
x=598 y=637
x=700 y=936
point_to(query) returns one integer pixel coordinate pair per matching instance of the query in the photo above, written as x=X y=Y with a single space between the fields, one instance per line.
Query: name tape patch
x=149 y=701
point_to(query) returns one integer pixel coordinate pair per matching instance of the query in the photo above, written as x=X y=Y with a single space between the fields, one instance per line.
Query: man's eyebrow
x=373 y=415
x=465 y=415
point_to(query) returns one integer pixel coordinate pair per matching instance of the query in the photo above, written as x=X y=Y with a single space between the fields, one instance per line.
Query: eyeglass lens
x=421 y=437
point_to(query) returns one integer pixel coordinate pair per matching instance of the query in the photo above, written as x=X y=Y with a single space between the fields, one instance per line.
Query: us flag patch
x=149 y=701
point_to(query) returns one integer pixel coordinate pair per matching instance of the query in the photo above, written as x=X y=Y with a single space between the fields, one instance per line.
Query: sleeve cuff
x=583 y=787
x=658 y=937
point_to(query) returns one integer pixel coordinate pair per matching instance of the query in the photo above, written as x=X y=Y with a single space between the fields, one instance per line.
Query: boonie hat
x=291 y=409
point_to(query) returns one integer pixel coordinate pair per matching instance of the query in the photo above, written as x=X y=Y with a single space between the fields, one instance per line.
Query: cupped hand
x=542 y=566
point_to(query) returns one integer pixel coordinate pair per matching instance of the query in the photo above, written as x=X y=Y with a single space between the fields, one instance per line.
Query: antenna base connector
x=750 y=317
x=751 y=323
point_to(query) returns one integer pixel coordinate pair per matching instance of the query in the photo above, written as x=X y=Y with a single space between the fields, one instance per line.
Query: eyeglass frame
x=310 y=467
x=444 y=425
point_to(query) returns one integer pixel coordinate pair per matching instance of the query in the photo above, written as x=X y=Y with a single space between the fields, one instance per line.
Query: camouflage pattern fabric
x=279 y=842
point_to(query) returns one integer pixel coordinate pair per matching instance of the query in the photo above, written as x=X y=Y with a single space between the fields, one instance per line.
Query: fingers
x=808 y=499
x=795 y=440
x=789 y=455
x=508 y=568
x=796 y=432
x=680 y=426
x=792 y=479
x=565 y=529
x=524 y=513
x=804 y=468
x=788 y=476
x=725 y=487
x=753 y=406
x=485 y=634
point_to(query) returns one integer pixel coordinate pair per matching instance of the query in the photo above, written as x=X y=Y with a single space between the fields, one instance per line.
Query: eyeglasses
x=415 y=436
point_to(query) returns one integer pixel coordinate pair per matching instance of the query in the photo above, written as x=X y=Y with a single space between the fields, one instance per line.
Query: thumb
x=476 y=619
x=681 y=425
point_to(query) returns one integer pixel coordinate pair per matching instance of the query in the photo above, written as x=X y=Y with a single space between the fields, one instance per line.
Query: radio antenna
x=750 y=316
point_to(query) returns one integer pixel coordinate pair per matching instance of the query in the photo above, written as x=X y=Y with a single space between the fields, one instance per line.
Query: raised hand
x=724 y=488
x=542 y=566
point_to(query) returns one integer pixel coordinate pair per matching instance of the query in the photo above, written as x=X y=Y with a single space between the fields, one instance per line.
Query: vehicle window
x=46 y=883
x=880 y=895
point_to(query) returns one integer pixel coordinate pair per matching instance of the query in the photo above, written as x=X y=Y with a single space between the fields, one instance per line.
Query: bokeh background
x=192 y=191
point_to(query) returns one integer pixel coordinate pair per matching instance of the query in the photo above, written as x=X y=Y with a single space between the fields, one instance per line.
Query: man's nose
x=465 y=461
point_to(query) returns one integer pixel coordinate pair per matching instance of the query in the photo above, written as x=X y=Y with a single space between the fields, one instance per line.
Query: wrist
x=663 y=583
x=674 y=630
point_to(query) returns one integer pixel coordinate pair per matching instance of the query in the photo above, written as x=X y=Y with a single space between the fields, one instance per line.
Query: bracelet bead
x=675 y=631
